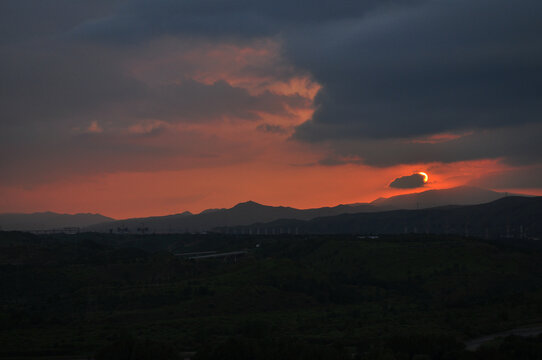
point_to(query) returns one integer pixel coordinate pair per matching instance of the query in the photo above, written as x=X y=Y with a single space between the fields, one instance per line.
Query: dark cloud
x=272 y=128
x=441 y=66
x=387 y=71
x=391 y=72
x=195 y=101
x=140 y=20
x=512 y=146
x=24 y=20
x=408 y=182
x=82 y=84
x=40 y=84
x=50 y=97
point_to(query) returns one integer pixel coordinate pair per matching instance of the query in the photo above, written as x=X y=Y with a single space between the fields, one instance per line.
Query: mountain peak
x=460 y=195
x=185 y=213
x=247 y=204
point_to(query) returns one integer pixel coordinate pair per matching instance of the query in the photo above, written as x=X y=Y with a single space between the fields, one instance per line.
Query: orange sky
x=125 y=194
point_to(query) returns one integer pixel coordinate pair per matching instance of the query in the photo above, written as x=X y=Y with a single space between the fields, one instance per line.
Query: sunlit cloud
x=94 y=128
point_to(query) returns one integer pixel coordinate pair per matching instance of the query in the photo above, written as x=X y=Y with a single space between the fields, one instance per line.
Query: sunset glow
x=203 y=179
x=138 y=114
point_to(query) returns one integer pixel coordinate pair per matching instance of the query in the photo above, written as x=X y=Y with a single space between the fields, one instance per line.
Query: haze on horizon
x=151 y=107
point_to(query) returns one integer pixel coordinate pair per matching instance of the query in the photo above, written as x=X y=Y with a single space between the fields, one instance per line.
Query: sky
x=151 y=107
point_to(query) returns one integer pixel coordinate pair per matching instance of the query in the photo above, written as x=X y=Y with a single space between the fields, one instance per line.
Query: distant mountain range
x=462 y=195
x=250 y=212
x=49 y=221
x=509 y=217
x=243 y=214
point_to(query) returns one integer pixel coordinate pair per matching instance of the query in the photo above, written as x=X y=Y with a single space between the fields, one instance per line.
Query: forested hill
x=514 y=217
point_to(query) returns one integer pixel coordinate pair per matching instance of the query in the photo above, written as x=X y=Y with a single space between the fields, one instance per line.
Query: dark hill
x=245 y=213
x=515 y=217
x=461 y=195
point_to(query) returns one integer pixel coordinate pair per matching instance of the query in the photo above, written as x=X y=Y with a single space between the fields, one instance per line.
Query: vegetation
x=290 y=297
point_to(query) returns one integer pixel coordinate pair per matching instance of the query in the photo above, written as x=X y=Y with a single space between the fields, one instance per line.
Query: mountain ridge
x=459 y=195
x=509 y=217
x=250 y=212
x=244 y=213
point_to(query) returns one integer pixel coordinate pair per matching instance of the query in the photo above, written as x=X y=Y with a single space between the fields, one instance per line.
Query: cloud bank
x=465 y=74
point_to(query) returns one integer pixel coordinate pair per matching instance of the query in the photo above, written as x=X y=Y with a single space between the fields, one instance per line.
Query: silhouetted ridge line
x=45 y=221
x=250 y=212
x=510 y=217
x=245 y=213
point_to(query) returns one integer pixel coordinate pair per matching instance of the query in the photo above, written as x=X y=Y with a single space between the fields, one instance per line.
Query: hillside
x=461 y=195
x=514 y=216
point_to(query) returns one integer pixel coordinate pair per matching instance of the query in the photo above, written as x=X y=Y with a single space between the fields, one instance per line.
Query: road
x=532 y=330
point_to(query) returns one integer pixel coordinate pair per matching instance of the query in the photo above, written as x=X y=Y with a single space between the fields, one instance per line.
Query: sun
x=425 y=177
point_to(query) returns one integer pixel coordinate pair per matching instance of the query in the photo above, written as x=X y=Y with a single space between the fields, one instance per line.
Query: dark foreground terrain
x=273 y=297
